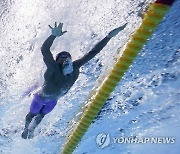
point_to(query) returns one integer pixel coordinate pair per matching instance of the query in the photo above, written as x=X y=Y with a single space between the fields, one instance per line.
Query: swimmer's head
x=63 y=56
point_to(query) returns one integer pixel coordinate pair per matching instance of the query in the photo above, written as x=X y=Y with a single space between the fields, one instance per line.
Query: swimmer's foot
x=24 y=134
x=31 y=134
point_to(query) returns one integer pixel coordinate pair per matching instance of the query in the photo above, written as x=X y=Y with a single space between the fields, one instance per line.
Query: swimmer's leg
x=44 y=110
x=35 y=123
x=28 y=120
x=35 y=108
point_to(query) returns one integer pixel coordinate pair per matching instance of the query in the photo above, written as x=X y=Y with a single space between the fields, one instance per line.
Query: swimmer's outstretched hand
x=57 y=30
x=116 y=31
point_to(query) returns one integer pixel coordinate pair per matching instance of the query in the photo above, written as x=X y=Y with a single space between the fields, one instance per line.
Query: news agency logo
x=103 y=140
